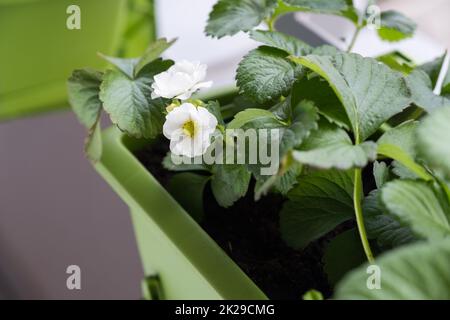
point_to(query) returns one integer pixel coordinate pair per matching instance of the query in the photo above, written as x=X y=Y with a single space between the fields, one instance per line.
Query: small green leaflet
x=433 y=141
x=331 y=147
x=290 y=44
x=265 y=74
x=229 y=183
x=318 y=203
x=228 y=17
x=335 y=7
x=381 y=173
x=133 y=66
x=370 y=92
x=417 y=204
x=152 y=53
x=414 y=272
x=83 y=92
x=313 y=295
x=255 y=118
x=422 y=93
x=395 y=26
x=387 y=231
x=399 y=144
x=83 y=89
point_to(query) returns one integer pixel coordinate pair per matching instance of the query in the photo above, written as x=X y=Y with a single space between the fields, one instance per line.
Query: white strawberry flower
x=180 y=81
x=189 y=129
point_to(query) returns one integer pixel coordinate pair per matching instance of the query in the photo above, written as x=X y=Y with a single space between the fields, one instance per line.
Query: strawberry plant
x=352 y=140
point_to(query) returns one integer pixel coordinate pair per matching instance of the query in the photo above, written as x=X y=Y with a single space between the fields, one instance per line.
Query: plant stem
x=357 y=192
x=355 y=36
x=271 y=23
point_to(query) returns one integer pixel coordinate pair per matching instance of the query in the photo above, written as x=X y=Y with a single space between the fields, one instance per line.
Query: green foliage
x=128 y=101
x=418 y=204
x=331 y=147
x=384 y=228
x=433 y=137
x=318 y=203
x=399 y=144
x=395 y=26
x=421 y=89
x=265 y=74
x=329 y=108
x=348 y=245
x=229 y=183
x=370 y=92
x=228 y=17
x=416 y=272
x=313 y=295
x=83 y=88
x=287 y=43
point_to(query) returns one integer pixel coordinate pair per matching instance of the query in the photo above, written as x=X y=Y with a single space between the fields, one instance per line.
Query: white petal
x=175 y=120
x=207 y=119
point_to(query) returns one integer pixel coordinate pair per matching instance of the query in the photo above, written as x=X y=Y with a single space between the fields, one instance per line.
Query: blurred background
x=55 y=210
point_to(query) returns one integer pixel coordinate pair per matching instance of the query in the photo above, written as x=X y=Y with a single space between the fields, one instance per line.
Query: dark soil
x=248 y=232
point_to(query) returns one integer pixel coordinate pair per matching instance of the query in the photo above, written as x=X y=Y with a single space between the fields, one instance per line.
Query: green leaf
x=265 y=74
x=380 y=173
x=125 y=65
x=422 y=92
x=132 y=66
x=370 y=92
x=228 y=17
x=287 y=43
x=298 y=123
x=214 y=108
x=83 y=90
x=255 y=118
x=317 y=204
x=343 y=254
x=229 y=183
x=387 y=231
x=331 y=147
x=191 y=201
x=399 y=144
x=313 y=295
x=415 y=272
x=397 y=61
x=323 y=96
x=152 y=53
x=283 y=181
x=288 y=179
x=320 y=6
x=395 y=26
x=416 y=204
x=433 y=141
x=128 y=102
x=303 y=121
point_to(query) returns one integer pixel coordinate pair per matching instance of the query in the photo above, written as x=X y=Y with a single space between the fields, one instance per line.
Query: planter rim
x=129 y=178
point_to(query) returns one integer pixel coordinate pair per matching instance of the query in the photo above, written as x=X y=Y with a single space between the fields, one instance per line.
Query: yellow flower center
x=189 y=128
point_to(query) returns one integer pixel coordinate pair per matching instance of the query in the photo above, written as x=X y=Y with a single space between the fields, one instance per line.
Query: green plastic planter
x=38 y=52
x=177 y=255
